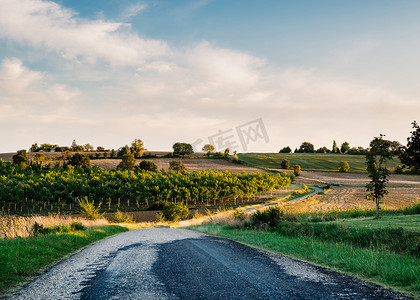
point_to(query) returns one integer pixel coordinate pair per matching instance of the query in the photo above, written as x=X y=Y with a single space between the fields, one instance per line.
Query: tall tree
x=334 y=147
x=137 y=148
x=410 y=154
x=376 y=159
x=345 y=147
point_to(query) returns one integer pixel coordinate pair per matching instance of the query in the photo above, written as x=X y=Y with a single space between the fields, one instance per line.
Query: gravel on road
x=166 y=263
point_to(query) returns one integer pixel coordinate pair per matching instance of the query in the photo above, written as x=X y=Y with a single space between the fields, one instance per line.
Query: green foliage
x=173 y=212
x=306 y=147
x=89 y=210
x=378 y=155
x=137 y=148
x=39 y=229
x=148 y=165
x=121 y=217
x=39 y=157
x=77 y=226
x=410 y=155
x=226 y=153
x=21 y=158
x=286 y=150
x=182 y=149
x=345 y=147
x=268 y=217
x=285 y=164
x=296 y=170
x=177 y=165
x=235 y=158
x=334 y=147
x=208 y=149
x=343 y=167
x=79 y=160
x=127 y=162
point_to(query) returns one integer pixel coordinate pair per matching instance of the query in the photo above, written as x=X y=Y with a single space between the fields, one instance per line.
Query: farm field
x=411 y=223
x=309 y=161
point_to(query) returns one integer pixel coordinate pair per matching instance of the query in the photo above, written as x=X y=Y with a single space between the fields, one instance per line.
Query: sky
x=254 y=76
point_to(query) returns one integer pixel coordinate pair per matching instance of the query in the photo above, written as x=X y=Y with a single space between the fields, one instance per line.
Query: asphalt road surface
x=164 y=263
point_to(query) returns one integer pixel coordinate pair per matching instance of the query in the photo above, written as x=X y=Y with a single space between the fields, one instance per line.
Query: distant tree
x=395 y=147
x=137 y=148
x=286 y=150
x=177 y=165
x=208 y=148
x=182 y=149
x=47 y=147
x=100 y=149
x=334 y=147
x=285 y=164
x=105 y=154
x=88 y=147
x=226 y=153
x=343 y=167
x=113 y=154
x=296 y=170
x=344 y=147
x=410 y=154
x=296 y=150
x=79 y=160
x=34 y=148
x=20 y=158
x=235 y=158
x=376 y=159
x=322 y=150
x=148 y=165
x=127 y=162
x=306 y=147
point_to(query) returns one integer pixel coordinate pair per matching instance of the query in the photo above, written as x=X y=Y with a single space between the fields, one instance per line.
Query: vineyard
x=37 y=188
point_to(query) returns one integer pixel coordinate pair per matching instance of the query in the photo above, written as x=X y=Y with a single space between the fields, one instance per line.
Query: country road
x=165 y=263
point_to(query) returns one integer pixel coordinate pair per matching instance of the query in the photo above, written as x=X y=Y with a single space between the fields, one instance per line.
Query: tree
x=79 y=160
x=376 y=159
x=285 y=164
x=343 y=167
x=334 y=147
x=410 y=154
x=127 y=162
x=88 y=147
x=286 y=150
x=177 y=165
x=20 y=158
x=322 y=150
x=306 y=147
x=345 y=147
x=208 y=148
x=34 y=148
x=148 y=165
x=182 y=149
x=226 y=153
x=137 y=148
x=100 y=149
x=124 y=150
x=296 y=170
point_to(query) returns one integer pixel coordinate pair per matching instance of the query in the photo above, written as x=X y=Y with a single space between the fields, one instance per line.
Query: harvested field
x=348 y=198
x=192 y=164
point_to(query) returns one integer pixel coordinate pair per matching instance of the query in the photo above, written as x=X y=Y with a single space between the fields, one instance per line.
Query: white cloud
x=133 y=10
x=48 y=25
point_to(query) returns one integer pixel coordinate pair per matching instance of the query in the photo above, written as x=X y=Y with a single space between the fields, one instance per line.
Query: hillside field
x=309 y=161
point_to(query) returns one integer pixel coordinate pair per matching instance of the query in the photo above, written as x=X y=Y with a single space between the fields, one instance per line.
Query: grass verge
x=400 y=272
x=20 y=259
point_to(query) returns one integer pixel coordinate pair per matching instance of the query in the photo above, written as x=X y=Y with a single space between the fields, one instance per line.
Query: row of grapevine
x=37 y=185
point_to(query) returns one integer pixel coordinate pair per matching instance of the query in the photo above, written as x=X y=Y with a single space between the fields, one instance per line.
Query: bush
x=285 y=164
x=121 y=217
x=89 y=210
x=148 y=165
x=177 y=165
x=398 y=170
x=127 y=162
x=296 y=170
x=269 y=217
x=343 y=167
x=21 y=158
x=77 y=226
x=158 y=205
x=286 y=150
x=235 y=158
x=174 y=211
x=80 y=160
x=39 y=229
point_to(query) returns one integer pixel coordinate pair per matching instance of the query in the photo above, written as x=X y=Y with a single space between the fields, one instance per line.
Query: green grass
x=387 y=268
x=20 y=259
x=309 y=161
x=411 y=223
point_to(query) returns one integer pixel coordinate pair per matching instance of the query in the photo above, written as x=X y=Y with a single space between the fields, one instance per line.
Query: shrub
x=89 y=210
x=285 y=164
x=398 y=170
x=127 y=162
x=177 y=165
x=286 y=150
x=296 y=170
x=148 y=165
x=158 y=205
x=20 y=158
x=343 y=167
x=270 y=217
x=77 y=226
x=121 y=217
x=80 y=160
x=174 y=211
x=39 y=156
x=239 y=215
x=235 y=158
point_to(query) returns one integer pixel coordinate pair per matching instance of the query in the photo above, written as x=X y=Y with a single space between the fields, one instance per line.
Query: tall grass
x=22 y=227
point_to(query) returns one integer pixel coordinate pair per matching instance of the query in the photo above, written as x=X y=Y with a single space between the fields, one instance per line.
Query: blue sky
x=106 y=72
